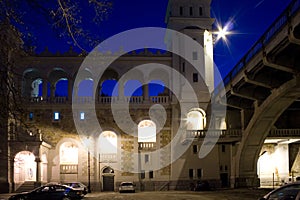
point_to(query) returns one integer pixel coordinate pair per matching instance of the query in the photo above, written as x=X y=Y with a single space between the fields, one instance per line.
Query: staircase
x=25 y=187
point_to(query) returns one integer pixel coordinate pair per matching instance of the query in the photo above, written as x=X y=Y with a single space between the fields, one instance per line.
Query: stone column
x=121 y=91
x=38 y=172
x=52 y=91
x=45 y=89
x=146 y=93
x=70 y=89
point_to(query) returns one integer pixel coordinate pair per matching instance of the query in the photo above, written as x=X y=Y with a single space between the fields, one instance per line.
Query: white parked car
x=127 y=187
x=78 y=186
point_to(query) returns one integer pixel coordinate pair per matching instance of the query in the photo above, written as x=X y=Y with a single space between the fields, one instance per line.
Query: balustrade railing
x=108 y=157
x=213 y=133
x=134 y=99
x=159 y=99
x=69 y=169
x=100 y=100
x=146 y=145
x=284 y=133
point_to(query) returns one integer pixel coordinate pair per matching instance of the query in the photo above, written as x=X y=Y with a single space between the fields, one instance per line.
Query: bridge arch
x=258 y=128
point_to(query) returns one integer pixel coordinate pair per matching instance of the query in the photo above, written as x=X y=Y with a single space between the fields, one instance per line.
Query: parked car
x=290 y=191
x=50 y=192
x=78 y=186
x=202 y=186
x=127 y=187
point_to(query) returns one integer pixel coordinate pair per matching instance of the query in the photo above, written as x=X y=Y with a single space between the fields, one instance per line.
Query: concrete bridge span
x=260 y=89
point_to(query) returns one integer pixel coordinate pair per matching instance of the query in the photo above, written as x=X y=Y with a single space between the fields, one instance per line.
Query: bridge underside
x=262 y=93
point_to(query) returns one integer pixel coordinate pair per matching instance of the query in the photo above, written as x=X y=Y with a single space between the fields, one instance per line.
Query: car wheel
x=66 y=198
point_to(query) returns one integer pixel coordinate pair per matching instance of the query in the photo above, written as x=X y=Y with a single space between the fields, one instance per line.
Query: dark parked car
x=50 y=192
x=290 y=191
x=78 y=186
x=202 y=186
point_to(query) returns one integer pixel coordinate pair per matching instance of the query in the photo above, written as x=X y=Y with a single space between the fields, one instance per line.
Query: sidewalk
x=5 y=196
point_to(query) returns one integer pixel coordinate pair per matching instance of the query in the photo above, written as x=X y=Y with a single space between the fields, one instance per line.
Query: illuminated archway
x=108 y=146
x=196 y=119
x=68 y=158
x=68 y=154
x=146 y=131
x=24 y=167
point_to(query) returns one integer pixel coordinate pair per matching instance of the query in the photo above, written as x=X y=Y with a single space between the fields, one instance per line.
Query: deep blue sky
x=251 y=18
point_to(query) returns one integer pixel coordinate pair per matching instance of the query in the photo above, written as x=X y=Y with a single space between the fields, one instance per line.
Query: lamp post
x=88 y=142
x=89 y=172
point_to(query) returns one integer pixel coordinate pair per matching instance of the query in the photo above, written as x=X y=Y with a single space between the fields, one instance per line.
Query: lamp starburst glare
x=223 y=31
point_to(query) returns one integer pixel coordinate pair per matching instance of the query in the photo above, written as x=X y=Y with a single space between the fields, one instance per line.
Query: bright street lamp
x=223 y=31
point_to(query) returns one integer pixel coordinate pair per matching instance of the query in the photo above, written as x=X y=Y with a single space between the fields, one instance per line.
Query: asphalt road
x=241 y=194
x=230 y=194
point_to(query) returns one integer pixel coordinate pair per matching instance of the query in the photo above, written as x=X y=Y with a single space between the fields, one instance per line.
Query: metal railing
x=264 y=40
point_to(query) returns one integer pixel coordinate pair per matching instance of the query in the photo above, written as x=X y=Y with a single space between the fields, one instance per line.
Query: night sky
x=250 y=19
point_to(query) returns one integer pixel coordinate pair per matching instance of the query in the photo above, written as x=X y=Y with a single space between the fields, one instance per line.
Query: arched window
x=36 y=86
x=191 y=11
x=180 y=10
x=108 y=146
x=156 y=87
x=133 y=88
x=85 y=88
x=196 y=119
x=146 y=131
x=200 y=11
x=24 y=167
x=109 y=88
x=68 y=158
x=61 y=88
x=68 y=154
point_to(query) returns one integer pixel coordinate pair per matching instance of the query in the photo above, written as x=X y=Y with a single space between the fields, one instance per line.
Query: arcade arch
x=24 y=167
x=31 y=82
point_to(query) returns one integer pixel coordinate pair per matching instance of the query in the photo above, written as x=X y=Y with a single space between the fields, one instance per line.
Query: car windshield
x=126 y=184
x=290 y=190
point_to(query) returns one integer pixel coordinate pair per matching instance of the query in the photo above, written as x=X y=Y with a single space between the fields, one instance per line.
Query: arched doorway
x=108 y=179
x=24 y=168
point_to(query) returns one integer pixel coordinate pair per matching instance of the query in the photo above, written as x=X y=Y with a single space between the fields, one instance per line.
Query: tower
x=192 y=17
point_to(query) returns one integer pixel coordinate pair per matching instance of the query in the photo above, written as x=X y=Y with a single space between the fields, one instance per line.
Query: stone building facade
x=53 y=147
